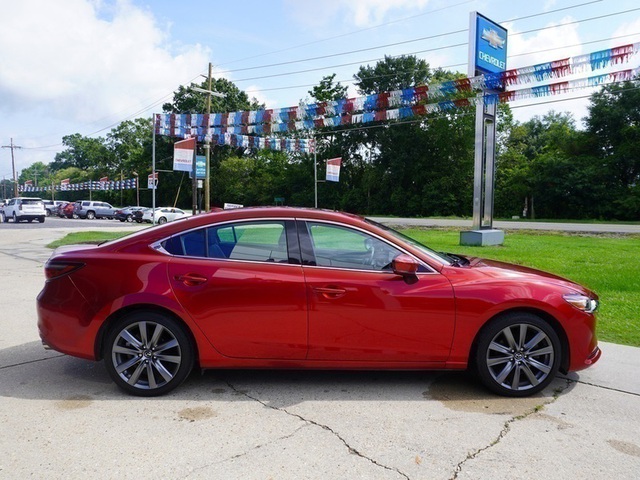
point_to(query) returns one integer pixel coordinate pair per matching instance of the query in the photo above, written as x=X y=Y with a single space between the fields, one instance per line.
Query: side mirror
x=405 y=265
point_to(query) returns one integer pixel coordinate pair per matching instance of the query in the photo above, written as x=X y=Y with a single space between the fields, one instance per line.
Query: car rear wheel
x=518 y=354
x=162 y=221
x=15 y=218
x=91 y=215
x=148 y=354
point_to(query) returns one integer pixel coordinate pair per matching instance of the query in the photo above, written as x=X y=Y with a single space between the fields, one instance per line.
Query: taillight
x=59 y=269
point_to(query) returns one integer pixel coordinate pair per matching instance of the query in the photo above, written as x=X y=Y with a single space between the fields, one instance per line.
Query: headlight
x=581 y=302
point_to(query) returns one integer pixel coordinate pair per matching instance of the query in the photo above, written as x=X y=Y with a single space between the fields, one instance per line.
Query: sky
x=84 y=66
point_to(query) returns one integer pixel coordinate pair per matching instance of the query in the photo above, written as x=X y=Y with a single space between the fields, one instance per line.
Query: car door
x=242 y=283
x=359 y=310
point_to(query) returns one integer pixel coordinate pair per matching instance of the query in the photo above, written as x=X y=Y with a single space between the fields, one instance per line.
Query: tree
x=614 y=124
x=83 y=152
x=326 y=90
x=186 y=100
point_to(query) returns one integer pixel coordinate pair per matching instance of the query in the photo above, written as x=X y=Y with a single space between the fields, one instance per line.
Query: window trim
x=289 y=225
x=306 y=243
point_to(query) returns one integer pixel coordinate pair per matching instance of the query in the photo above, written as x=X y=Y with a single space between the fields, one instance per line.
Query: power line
x=398 y=43
x=432 y=49
x=352 y=33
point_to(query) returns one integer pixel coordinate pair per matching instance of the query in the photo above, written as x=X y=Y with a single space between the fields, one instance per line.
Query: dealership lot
x=63 y=418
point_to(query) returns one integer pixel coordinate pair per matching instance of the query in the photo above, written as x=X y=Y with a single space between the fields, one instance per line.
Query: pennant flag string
x=239 y=128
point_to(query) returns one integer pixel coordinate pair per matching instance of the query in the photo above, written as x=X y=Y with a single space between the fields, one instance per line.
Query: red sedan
x=303 y=288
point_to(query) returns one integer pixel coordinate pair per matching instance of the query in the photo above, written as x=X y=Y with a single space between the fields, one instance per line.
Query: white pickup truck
x=23 y=208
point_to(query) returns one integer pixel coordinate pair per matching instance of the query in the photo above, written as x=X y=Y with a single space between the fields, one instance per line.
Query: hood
x=495 y=270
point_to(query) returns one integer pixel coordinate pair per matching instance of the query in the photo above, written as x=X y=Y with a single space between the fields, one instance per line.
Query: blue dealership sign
x=201 y=167
x=487 y=46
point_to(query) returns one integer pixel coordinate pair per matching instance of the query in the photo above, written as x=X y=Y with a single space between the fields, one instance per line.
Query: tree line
x=546 y=166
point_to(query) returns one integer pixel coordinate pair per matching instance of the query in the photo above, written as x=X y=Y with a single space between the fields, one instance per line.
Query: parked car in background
x=24 y=208
x=67 y=211
x=163 y=215
x=57 y=207
x=137 y=216
x=303 y=288
x=126 y=214
x=52 y=206
x=91 y=209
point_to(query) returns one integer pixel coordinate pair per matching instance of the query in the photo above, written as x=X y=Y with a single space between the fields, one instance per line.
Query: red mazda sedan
x=302 y=288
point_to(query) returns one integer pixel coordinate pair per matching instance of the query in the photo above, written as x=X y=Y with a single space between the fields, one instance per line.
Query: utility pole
x=13 y=165
x=207 y=151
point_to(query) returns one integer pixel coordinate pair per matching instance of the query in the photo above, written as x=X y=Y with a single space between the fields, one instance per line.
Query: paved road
x=62 y=418
x=507 y=225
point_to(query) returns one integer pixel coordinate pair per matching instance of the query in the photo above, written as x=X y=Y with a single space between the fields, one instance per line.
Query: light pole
x=135 y=174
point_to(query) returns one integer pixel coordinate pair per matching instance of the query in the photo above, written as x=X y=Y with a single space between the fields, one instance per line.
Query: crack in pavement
x=240 y=455
x=31 y=361
x=351 y=449
x=600 y=386
x=507 y=427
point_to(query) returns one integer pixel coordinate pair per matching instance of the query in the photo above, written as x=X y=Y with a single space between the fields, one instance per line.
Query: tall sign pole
x=487 y=55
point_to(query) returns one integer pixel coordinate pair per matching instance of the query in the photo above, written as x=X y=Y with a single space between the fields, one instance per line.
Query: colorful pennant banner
x=65 y=186
x=243 y=129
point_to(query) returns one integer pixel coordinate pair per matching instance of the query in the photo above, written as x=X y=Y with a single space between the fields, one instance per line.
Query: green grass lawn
x=607 y=264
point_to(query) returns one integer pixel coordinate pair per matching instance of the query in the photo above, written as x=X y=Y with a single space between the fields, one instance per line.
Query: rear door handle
x=330 y=292
x=191 y=279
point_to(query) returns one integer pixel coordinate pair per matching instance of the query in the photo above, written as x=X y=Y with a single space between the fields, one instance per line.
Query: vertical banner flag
x=64 y=184
x=333 y=169
x=183 y=155
x=152 y=181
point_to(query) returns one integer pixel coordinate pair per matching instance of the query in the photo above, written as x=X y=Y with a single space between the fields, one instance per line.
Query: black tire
x=162 y=221
x=41 y=219
x=48 y=212
x=138 y=221
x=518 y=354
x=15 y=218
x=134 y=361
x=129 y=218
x=91 y=215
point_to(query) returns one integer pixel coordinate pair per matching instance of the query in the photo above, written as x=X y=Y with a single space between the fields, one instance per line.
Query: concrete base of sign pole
x=482 y=238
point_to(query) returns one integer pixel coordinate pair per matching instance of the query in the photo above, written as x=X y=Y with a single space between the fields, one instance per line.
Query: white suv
x=24 y=208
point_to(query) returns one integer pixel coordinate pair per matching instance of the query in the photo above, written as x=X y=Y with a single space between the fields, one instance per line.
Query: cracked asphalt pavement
x=62 y=417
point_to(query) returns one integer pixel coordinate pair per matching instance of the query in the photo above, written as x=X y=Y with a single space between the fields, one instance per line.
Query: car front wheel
x=518 y=354
x=15 y=218
x=148 y=354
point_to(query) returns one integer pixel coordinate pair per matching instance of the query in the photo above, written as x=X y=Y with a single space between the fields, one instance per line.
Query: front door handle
x=191 y=279
x=330 y=292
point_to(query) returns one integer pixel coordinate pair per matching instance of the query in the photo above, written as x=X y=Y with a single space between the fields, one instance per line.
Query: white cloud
x=361 y=13
x=546 y=42
x=79 y=60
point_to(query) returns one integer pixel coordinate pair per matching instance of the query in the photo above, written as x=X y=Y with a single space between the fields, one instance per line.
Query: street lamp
x=207 y=141
x=135 y=174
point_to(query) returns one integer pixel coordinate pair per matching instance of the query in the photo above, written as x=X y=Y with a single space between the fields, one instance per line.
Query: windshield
x=414 y=243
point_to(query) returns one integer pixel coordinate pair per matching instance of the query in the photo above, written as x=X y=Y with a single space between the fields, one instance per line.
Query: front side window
x=341 y=247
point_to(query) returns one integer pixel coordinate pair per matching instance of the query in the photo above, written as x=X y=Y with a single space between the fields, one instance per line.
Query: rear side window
x=263 y=241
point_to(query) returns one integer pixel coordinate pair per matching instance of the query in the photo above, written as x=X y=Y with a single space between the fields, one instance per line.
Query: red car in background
x=66 y=211
x=304 y=288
